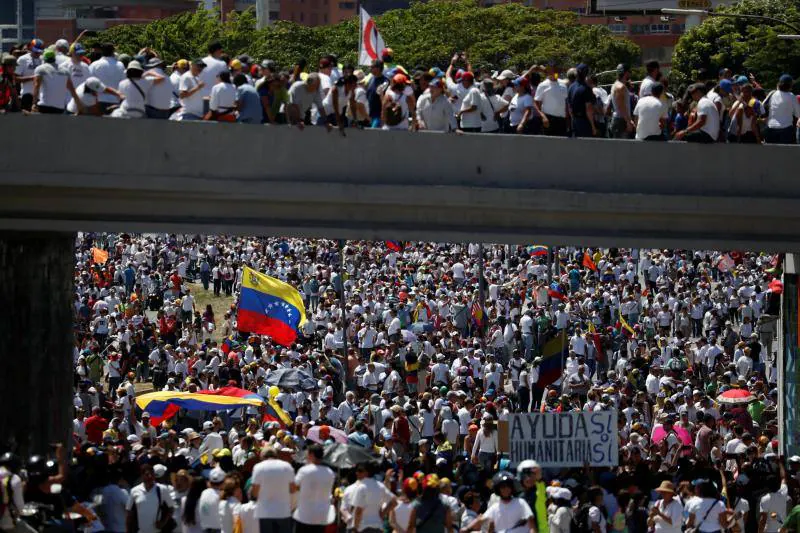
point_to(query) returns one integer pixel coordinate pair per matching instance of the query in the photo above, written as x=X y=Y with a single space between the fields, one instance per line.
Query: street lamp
x=709 y=13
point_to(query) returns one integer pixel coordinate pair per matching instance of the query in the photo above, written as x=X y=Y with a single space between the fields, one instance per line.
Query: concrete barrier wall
x=201 y=150
x=67 y=173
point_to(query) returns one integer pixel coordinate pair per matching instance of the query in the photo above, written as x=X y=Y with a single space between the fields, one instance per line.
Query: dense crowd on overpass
x=549 y=100
x=387 y=411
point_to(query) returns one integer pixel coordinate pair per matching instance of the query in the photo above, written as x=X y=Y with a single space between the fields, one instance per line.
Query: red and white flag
x=371 y=43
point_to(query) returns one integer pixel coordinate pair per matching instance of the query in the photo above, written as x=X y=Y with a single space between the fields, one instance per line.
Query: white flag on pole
x=371 y=43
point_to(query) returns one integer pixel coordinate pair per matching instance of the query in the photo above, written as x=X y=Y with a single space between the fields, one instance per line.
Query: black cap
x=199 y=63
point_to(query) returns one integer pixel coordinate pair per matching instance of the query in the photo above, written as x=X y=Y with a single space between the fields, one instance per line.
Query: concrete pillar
x=36 y=340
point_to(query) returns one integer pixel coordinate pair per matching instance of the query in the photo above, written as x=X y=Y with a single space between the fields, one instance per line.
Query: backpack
x=580 y=520
x=394 y=113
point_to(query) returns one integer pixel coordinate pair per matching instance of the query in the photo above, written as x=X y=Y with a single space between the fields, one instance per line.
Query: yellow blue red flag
x=268 y=306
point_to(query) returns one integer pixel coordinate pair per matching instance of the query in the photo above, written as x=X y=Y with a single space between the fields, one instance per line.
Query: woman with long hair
x=190 y=516
x=229 y=501
x=484 y=451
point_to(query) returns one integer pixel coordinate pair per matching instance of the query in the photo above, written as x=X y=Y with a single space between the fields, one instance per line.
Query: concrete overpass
x=60 y=175
x=69 y=174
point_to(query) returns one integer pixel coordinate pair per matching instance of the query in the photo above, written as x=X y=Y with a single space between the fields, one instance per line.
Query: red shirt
x=95 y=425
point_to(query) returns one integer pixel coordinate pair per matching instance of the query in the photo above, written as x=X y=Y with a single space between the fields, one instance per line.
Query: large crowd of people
x=552 y=100
x=418 y=352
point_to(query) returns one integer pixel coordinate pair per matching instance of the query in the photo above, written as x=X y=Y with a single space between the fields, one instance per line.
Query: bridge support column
x=36 y=340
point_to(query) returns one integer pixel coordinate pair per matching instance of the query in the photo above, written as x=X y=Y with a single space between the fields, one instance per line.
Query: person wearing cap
x=78 y=70
x=343 y=95
x=651 y=117
x=110 y=72
x=209 y=503
x=520 y=112
x=705 y=128
x=551 y=104
x=783 y=113
x=26 y=68
x=399 y=105
x=191 y=99
x=581 y=100
x=134 y=90
x=178 y=69
x=434 y=110
x=469 y=113
x=52 y=86
x=453 y=77
x=158 y=103
x=622 y=124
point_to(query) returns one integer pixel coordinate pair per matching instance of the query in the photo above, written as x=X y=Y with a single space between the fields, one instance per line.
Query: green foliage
x=425 y=35
x=743 y=45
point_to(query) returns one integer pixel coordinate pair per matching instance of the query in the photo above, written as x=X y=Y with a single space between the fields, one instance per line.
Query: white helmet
x=527 y=465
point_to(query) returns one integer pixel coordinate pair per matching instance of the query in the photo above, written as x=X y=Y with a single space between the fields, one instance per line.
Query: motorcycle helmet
x=10 y=461
x=502 y=479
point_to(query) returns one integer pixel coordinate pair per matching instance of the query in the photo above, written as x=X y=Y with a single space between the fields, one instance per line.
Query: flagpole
x=482 y=294
x=343 y=307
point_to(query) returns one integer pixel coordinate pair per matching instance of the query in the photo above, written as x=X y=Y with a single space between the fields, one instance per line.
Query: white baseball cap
x=95 y=85
x=217 y=475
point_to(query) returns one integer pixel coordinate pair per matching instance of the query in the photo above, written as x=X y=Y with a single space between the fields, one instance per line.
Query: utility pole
x=19 y=21
x=262 y=14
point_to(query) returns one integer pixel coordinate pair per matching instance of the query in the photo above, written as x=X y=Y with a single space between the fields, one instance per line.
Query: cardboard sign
x=564 y=439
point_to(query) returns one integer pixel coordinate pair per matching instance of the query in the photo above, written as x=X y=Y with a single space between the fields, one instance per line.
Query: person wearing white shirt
x=159 y=98
x=190 y=93
x=272 y=489
x=146 y=500
x=109 y=71
x=222 y=103
x=314 y=483
x=493 y=108
x=485 y=448
x=26 y=67
x=78 y=70
x=179 y=69
x=651 y=115
x=783 y=110
x=772 y=508
x=88 y=93
x=653 y=69
x=368 y=501
x=706 y=128
x=667 y=513
x=52 y=86
x=135 y=89
x=214 y=66
x=551 y=101
x=521 y=108
x=469 y=113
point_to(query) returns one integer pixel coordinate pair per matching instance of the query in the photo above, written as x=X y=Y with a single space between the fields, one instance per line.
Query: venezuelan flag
x=274 y=413
x=537 y=250
x=555 y=292
x=396 y=246
x=268 y=306
x=229 y=344
x=553 y=353
x=163 y=405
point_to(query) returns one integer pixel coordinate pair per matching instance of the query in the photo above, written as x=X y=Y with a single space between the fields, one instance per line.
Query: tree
x=424 y=35
x=742 y=45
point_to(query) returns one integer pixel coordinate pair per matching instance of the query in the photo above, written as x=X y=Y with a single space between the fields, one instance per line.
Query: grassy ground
x=220 y=305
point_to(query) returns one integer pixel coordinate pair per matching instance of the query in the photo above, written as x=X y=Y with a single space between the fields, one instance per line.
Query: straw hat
x=666 y=486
